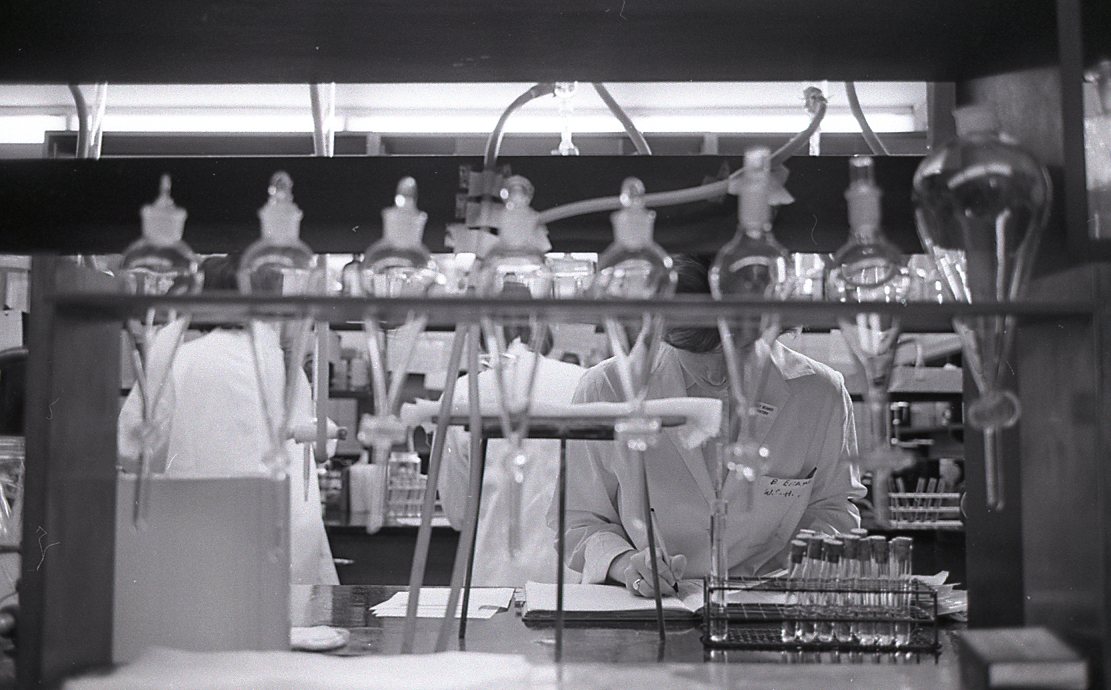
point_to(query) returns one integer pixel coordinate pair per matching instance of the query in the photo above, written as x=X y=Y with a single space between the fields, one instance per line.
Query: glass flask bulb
x=866 y=269
x=981 y=204
x=396 y=266
x=514 y=268
x=158 y=263
x=751 y=266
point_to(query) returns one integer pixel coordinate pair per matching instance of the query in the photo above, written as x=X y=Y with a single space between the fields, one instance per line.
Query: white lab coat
x=536 y=560
x=808 y=428
x=212 y=425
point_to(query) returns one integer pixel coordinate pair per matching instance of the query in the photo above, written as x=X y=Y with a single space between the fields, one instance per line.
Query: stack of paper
x=483 y=603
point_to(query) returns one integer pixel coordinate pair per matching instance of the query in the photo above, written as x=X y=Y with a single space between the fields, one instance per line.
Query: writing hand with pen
x=634 y=569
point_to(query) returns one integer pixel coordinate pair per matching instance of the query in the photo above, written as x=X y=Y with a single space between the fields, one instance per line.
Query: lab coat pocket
x=777 y=507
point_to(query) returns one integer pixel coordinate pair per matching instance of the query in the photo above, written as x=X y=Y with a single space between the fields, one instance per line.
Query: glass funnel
x=398 y=265
x=870 y=269
x=634 y=267
x=751 y=266
x=981 y=205
x=158 y=263
x=279 y=264
x=514 y=268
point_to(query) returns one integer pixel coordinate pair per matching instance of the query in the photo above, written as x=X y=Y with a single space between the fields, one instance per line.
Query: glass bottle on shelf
x=981 y=205
x=515 y=268
x=158 y=263
x=351 y=278
x=1097 y=154
x=866 y=269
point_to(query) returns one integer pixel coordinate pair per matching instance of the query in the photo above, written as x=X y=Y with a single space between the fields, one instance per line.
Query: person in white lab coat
x=555 y=382
x=212 y=424
x=806 y=423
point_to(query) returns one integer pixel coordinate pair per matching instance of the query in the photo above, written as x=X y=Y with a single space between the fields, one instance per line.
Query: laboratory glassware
x=830 y=597
x=515 y=268
x=396 y=266
x=158 y=263
x=789 y=627
x=981 y=205
x=754 y=266
x=866 y=269
x=635 y=267
x=279 y=264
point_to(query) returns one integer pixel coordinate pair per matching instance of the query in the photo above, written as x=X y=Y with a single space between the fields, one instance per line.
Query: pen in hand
x=660 y=545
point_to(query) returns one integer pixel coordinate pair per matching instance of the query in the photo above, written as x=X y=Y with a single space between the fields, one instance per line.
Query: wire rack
x=807 y=615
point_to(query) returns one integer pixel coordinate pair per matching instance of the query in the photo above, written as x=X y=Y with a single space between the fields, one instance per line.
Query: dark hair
x=220 y=273
x=220 y=276
x=693 y=273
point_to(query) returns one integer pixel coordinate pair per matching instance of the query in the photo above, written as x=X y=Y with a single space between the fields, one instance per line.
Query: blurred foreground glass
x=981 y=205
x=158 y=263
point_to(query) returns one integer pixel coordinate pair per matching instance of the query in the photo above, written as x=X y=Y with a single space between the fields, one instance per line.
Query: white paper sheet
x=484 y=603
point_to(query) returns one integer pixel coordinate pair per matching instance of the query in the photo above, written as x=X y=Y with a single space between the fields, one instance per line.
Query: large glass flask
x=752 y=266
x=158 y=263
x=870 y=269
x=514 y=268
x=981 y=205
x=279 y=264
x=635 y=267
x=398 y=265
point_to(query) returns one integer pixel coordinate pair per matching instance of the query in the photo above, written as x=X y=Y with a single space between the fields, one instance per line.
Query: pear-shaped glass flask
x=158 y=263
x=866 y=269
x=279 y=264
x=514 y=268
x=981 y=204
x=751 y=266
x=634 y=267
x=396 y=266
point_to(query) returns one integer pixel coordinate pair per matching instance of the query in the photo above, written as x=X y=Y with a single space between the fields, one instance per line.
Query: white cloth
x=181 y=670
x=211 y=424
x=808 y=428
x=536 y=559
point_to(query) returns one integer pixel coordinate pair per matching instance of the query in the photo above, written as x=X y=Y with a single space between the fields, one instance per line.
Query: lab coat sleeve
x=594 y=534
x=454 y=481
x=836 y=480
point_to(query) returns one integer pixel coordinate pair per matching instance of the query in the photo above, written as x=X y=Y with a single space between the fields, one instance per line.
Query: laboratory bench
x=622 y=655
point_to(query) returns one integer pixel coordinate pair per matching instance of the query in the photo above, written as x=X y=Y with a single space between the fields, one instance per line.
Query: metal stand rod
x=652 y=545
x=474 y=542
x=424 y=533
x=561 y=548
x=466 y=537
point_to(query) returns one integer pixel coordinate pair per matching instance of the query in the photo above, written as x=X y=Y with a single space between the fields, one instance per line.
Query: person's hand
x=634 y=569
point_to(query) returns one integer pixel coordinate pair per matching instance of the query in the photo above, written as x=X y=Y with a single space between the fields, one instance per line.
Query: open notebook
x=612 y=602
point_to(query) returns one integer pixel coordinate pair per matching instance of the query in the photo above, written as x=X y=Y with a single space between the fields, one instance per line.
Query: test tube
x=845 y=631
x=789 y=629
x=901 y=548
x=830 y=607
x=865 y=627
x=813 y=572
x=881 y=567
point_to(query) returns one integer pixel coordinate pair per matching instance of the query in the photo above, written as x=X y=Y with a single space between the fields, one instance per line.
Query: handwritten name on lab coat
x=786 y=488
